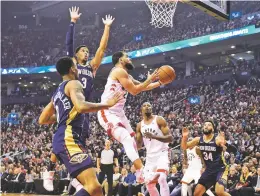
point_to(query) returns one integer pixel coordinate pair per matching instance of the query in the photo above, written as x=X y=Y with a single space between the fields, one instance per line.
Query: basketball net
x=162 y=12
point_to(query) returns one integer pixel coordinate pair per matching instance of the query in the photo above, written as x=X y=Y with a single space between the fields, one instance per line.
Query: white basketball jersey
x=194 y=160
x=153 y=146
x=112 y=87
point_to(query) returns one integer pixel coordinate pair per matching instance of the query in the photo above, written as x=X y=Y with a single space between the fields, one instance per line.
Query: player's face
x=107 y=144
x=83 y=54
x=127 y=62
x=75 y=72
x=147 y=109
x=207 y=128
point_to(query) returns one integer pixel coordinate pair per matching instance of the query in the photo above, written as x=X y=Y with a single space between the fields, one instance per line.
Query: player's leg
x=199 y=190
x=163 y=169
x=149 y=168
x=221 y=183
x=48 y=175
x=206 y=180
x=186 y=180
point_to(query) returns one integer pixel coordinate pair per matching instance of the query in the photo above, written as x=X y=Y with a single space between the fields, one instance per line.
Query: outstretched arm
x=96 y=61
x=74 y=15
x=167 y=137
x=48 y=115
x=150 y=86
x=74 y=90
x=184 y=141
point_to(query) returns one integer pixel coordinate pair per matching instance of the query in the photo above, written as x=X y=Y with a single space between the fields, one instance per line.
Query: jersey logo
x=78 y=158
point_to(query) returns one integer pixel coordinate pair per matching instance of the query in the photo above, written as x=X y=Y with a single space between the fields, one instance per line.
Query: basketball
x=166 y=74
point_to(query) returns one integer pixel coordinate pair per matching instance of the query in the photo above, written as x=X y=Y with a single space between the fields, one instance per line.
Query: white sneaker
x=140 y=176
x=48 y=180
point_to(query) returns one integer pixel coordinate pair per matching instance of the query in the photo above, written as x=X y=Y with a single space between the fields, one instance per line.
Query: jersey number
x=84 y=82
x=57 y=113
x=207 y=156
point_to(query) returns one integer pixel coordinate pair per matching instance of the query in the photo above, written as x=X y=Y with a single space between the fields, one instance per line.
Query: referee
x=105 y=161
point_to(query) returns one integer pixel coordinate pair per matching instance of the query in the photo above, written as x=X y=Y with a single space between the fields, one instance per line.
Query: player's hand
x=74 y=14
x=148 y=135
x=116 y=98
x=154 y=76
x=108 y=20
x=185 y=132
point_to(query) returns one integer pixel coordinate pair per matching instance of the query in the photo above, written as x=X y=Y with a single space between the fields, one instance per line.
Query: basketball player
x=195 y=164
x=211 y=147
x=67 y=107
x=153 y=131
x=87 y=72
x=113 y=120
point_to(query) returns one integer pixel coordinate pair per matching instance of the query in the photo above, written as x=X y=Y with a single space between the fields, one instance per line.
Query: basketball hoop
x=162 y=12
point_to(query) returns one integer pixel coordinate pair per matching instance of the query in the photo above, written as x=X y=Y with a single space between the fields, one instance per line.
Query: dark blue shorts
x=212 y=176
x=86 y=131
x=70 y=150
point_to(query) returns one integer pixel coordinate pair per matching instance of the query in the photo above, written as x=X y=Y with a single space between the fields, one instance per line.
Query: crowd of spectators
x=42 y=46
x=234 y=108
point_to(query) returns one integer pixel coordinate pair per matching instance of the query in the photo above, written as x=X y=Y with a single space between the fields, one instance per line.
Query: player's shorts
x=156 y=163
x=191 y=174
x=211 y=176
x=110 y=121
x=86 y=130
x=69 y=149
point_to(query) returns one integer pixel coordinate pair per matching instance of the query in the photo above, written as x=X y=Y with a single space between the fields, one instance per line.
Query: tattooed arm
x=74 y=90
x=48 y=115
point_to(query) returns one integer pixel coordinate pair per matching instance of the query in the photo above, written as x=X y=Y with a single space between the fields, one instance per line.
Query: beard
x=207 y=132
x=148 y=114
x=129 y=66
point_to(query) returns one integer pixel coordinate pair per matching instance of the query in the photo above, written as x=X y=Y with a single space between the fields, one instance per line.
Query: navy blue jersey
x=213 y=154
x=65 y=110
x=86 y=78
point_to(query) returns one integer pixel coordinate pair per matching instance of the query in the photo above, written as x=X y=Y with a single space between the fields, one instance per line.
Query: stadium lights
x=25 y=85
x=14 y=16
x=19 y=83
x=34 y=16
x=143 y=64
x=240 y=58
x=248 y=52
x=233 y=47
x=199 y=53
x=20 y=78
x=54 y=83
x=232 y=54
x=31 y=82
x=45 y=77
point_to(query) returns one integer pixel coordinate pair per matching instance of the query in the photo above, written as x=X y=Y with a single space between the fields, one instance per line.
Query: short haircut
x=63 y=65
x=116 y=56
x=79 y=47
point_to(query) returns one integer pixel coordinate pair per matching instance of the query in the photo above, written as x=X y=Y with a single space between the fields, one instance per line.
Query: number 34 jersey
x=213 y=154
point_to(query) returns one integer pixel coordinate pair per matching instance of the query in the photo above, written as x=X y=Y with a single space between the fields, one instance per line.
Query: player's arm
x=220 y=141
x=99 y=161
x=184 y=141
x=167 y=137
x=74 y=16
x=127 y=82
x=139 y=137
x=185 y=159
x=150 y=86
x=74 y=90
x=48 y=115
x=96 y=61
x=201 y=157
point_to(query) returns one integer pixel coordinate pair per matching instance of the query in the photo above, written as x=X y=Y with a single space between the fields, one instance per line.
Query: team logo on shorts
x=78 y=158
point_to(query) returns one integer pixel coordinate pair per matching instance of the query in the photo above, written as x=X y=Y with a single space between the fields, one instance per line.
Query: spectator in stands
x=232 y=180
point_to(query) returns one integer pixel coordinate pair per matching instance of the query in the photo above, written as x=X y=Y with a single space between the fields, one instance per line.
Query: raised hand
x=185 y=132
x=74 y=14
x=108 y=20
x=154 y=76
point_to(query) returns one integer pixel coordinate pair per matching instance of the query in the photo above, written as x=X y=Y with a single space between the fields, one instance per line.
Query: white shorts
x=156 y=163
x=110 y=121
x=191 y=174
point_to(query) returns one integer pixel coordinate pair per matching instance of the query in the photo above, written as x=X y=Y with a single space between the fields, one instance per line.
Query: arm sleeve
x=70 y=39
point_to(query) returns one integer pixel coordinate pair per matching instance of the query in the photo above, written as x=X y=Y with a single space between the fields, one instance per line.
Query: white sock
x=152 y=189
x=164 y=188
x=184 y=189
x=76 y=184
x=209 y=192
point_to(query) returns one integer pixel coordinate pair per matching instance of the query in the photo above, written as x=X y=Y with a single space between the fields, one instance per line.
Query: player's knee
x=94 y=188
x=162 y=180
x=219 y=192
